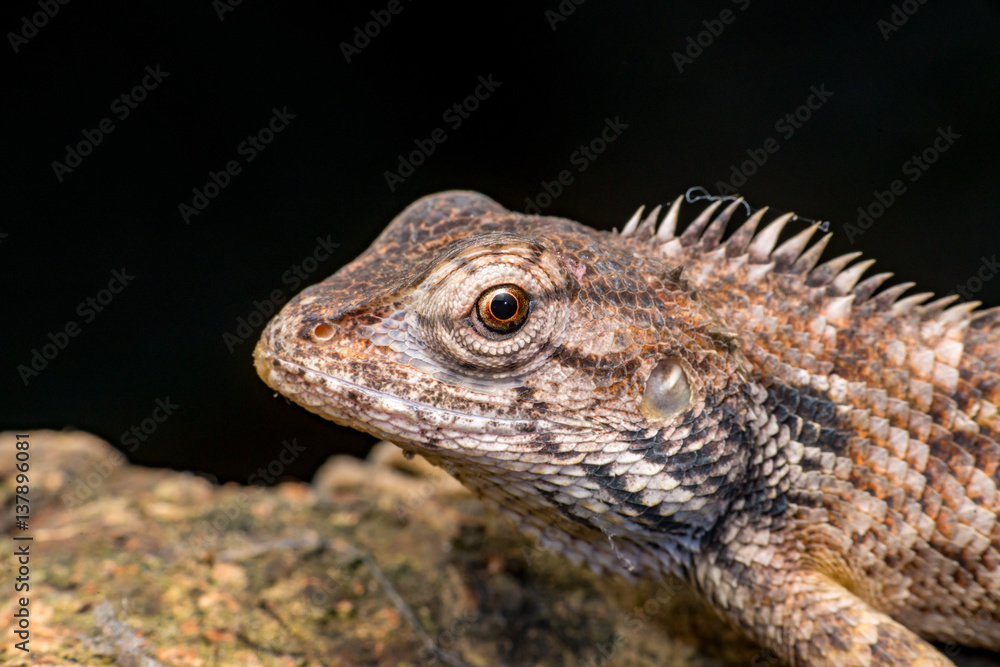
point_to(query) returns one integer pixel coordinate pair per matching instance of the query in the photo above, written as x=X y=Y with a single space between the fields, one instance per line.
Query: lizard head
x=568 y=375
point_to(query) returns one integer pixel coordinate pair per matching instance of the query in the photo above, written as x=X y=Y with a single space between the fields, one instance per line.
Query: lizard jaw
x=386 y=416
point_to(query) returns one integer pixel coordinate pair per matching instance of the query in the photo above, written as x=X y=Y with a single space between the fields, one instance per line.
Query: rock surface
x=377 y=562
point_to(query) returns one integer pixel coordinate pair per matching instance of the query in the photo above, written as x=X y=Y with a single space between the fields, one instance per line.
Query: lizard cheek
x=667 y=392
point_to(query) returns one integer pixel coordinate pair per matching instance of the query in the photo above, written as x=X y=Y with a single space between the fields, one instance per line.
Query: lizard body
x=818 y=459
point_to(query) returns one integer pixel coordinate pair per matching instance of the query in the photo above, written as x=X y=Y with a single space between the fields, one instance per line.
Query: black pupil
x=503 y=306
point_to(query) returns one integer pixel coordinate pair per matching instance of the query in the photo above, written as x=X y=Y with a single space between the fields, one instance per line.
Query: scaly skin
x=820 y=461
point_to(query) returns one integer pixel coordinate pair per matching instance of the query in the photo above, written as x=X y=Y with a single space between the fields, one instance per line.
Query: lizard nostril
x=322 y=332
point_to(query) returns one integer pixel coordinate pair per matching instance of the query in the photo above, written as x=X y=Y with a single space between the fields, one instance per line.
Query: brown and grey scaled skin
x=818 y=459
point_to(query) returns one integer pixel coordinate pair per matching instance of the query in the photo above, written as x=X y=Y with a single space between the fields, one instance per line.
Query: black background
x=324 y=174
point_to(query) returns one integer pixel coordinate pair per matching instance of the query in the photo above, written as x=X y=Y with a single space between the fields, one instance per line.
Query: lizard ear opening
x=667 y=392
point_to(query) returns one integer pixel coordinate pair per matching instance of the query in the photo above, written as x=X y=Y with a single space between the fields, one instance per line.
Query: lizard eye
x=667 y=392
x=502 y=310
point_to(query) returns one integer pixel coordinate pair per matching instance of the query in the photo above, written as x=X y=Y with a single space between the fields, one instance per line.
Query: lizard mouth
x=383 y=415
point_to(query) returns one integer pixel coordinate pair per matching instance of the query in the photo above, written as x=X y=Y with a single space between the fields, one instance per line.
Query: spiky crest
x=755 y=251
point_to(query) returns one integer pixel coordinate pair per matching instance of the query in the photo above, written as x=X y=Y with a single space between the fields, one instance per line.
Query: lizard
x=818 y=457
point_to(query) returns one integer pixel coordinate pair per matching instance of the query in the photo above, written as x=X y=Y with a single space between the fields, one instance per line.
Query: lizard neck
x=640 y=503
